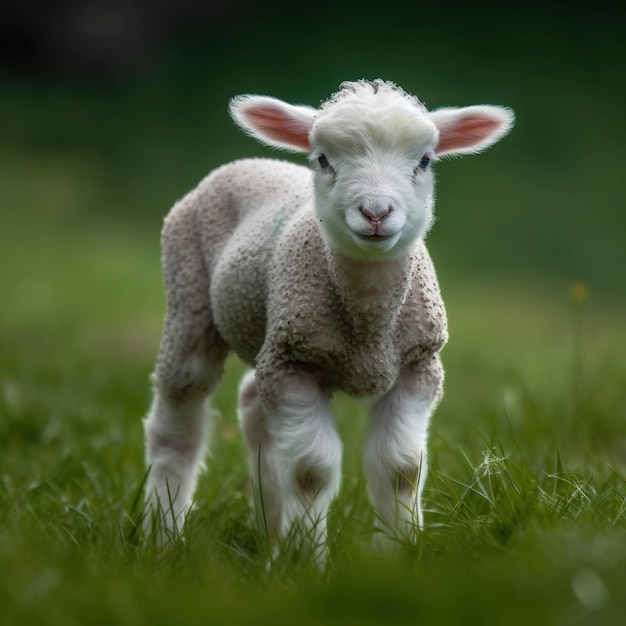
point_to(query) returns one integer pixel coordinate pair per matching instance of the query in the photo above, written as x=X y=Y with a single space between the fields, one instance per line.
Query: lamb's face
x=372 y=146
x=372 y=155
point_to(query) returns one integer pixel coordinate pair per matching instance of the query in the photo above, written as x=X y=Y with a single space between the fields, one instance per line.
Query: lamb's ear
x=274 y=122
x=468 y=130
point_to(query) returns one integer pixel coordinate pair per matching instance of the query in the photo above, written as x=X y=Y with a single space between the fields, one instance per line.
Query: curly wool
x=266 y=260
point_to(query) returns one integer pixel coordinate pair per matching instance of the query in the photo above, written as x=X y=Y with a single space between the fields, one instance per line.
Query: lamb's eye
x=424 y=162
x=323 y=161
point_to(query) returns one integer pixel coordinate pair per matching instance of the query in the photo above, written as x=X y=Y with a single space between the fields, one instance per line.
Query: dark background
x=126 y=103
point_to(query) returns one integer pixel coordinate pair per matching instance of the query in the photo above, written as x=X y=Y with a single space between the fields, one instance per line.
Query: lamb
x=319 y=279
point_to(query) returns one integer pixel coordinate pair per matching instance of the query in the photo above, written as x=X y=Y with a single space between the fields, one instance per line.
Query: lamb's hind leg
x=189 y=366
x=395 y=457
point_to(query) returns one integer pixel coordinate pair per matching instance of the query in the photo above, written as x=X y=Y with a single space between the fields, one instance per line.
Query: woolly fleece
x=246 y=269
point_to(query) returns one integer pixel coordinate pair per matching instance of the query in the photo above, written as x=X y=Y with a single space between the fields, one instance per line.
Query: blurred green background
x=111 y=111
x=90 y=140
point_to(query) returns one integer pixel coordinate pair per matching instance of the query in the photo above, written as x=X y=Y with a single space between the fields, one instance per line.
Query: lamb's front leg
x=307 y=458
x=395 y=456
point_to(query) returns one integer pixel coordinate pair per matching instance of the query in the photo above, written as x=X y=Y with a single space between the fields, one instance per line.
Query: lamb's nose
x=376 y=212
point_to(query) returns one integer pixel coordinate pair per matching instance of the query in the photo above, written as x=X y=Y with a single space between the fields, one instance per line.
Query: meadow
x=526 y=497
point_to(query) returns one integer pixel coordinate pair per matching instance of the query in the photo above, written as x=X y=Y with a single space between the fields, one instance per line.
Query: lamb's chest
x=367 y=366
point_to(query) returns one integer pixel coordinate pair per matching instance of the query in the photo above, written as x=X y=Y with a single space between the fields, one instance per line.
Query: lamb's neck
x=372 y=291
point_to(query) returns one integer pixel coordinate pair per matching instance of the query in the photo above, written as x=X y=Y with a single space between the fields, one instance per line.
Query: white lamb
x=319 y=279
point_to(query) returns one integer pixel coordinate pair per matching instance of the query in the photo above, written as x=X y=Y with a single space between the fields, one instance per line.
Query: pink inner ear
x=469 y=131
x=274 y=124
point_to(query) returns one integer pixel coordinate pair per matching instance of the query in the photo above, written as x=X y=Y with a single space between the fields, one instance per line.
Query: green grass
x=526 y=499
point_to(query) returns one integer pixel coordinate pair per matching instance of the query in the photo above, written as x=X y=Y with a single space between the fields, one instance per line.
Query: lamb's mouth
x=375 y=240
x=375 y=237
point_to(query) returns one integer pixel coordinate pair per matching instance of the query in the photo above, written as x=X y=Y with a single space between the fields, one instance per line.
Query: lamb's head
x=372 y=147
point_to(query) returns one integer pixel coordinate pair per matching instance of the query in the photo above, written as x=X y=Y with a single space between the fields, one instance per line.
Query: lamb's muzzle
x=320 y=280
x=375 y=212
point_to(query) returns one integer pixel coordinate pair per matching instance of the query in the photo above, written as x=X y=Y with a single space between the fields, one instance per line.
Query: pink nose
x=376 y=214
